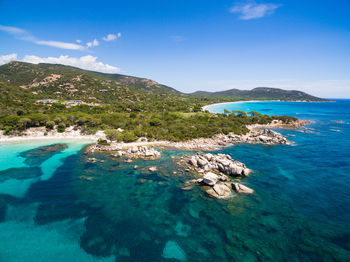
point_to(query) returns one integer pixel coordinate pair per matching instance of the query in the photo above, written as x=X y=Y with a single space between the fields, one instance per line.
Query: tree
x=61 y=127
x=240 y=113
x=113 y=134
x=24 y=123
x=129 y=136
x=155 y=121
x=254 y=113
x=50 y=124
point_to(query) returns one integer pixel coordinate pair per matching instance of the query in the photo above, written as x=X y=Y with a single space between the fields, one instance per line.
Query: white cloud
x=78 y=41
x=4 y=59
x=93 y=43
x=27 y=36
x=12 y=30
x=252 y=10
x=111 y=37
x=85 y=62
x=62 y=45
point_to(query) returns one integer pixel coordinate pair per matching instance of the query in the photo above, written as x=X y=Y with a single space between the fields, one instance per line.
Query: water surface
x=49 y=211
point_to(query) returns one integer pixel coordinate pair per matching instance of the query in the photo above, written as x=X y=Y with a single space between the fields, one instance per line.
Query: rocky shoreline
x=119 y=150
x=257 y=134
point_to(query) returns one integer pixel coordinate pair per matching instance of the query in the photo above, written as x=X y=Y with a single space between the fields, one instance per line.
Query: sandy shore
x=253 y=101
x=40 y=134
x=204 y=108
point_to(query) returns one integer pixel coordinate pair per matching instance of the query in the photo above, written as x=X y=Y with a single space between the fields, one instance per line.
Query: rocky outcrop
x=266 y=136
x=131 y=152
x=140 y=152
x=217 y=171
x=255 y=135
x=220 y=163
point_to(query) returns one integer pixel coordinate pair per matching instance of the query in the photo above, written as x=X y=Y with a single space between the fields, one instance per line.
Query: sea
x=57 y=205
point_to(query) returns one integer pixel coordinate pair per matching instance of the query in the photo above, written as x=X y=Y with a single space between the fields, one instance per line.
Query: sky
x=189 y=45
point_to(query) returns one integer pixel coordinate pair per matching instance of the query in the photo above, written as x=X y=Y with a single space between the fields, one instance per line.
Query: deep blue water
x=300 y=212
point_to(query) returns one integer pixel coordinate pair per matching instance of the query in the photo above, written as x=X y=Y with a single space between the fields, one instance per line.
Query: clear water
x=300 y=212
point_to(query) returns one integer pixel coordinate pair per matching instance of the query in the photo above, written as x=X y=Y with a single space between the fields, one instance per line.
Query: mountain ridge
x=262 y=93
x=23 y=84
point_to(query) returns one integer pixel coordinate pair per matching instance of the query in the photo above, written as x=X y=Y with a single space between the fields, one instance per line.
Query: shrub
x=113 y=134
x=50 y=124
x=61 y=127
x=103 y=142
x=133 y=115
x=24 y=123
x=129 y=137
x=155 y=121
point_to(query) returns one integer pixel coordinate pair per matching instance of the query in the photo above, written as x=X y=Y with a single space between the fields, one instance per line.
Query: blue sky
x=189 y=45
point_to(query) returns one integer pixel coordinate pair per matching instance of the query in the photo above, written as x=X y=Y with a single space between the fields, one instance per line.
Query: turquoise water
x=300 y=212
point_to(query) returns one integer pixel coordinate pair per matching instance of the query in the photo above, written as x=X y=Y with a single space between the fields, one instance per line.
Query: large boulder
x=242 y=189
x=222 y=190
x=246 y=172
x=202 y=162
x=193 y=161
x=134 y=149
x=210 y=178
x=208 y=156
x=211 y=192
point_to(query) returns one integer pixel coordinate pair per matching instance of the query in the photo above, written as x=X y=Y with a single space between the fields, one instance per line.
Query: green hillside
x=48 y=81
x=22 y=84
x=58 y=96
x=261 y=93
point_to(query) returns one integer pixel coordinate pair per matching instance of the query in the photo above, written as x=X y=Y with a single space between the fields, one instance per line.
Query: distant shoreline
x=204 y=108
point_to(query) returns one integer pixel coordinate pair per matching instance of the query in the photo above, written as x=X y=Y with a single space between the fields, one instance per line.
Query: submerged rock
x=211 y=192
x=173 y=251
x=153 y=169
x=36 y=156
x=222 y=190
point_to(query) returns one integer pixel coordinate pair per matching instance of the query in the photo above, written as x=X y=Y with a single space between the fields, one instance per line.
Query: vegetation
x=261 y=93
x=141 y=107
x=173 y=126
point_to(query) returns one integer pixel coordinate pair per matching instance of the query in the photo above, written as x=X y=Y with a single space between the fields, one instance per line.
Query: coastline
x=211 y=143
x=257 y=134
x=40 y=134
x=206 y=107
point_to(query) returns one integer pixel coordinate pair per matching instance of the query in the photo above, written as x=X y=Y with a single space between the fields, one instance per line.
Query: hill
x=23 y=84
x=57 y=96
x=261 y=93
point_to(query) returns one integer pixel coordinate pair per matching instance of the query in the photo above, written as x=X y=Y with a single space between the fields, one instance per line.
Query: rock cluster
x=94 y=160
x=219 y=163
x=255 y=135
x=267 y=136
x=139 y=152
x=221 y=188
x=217 y=170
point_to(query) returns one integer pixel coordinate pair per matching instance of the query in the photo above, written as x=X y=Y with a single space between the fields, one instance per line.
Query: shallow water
x=300 y=212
